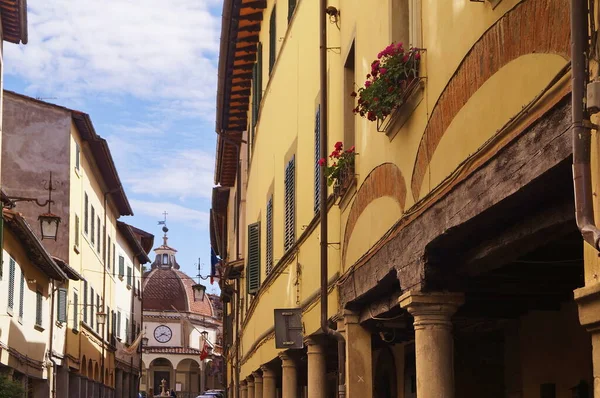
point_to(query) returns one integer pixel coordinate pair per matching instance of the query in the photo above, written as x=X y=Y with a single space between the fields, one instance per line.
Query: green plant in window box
x=340 y=173
x=393 y=75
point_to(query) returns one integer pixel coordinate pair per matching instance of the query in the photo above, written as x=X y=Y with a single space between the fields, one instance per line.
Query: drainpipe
x=52 y=290
x=237 y=336
x=582 y=178
x=323 y=204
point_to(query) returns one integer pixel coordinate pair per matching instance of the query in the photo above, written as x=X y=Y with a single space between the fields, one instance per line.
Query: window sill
x=77 y=172
x=9 y=311
x=39 y=328
x=59 y=324
x=128 y=287
x=76 y=249
x=399 y=116
x=121 y=278
x=21 y=320
x=75 y=331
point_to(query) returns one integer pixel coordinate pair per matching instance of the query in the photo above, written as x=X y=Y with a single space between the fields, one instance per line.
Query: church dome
x=165 y=286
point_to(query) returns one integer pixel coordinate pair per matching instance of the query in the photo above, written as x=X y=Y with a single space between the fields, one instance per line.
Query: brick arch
x=384 y=180
x=532 y=26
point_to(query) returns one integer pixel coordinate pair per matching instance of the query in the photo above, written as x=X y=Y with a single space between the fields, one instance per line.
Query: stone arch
x=83 y=367
x=384 y=180
x=90 y=369
x=96 y=372
x=106 y=377
x=385 y=382
x=519 y=32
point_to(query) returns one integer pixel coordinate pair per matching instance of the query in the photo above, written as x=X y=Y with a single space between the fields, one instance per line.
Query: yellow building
x=41 y=138
x=452 y=244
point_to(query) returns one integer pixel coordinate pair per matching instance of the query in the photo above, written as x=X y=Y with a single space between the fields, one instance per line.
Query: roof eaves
x=132 y=239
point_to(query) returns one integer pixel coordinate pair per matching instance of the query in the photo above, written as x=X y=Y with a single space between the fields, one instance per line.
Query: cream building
x=176 y=322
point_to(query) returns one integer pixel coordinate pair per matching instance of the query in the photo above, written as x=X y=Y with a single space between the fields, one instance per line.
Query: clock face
x=163 y=334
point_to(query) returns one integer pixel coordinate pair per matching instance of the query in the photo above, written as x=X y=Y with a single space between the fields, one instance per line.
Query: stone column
x=434 y=344
x=359 y=366
x=269 y=383
x=317 y=372
x=588 y=301
x=289 y=382
x=119 y=384
x=258 y=385
x=243 y=389
x=250 y=382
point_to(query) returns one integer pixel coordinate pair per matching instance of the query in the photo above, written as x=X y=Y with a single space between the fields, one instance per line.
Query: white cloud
x=177 y=213
x=156 y=50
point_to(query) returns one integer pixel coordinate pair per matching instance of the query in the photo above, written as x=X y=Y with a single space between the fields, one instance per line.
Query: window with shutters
x=121 y=266
x=291 y=9
x=75 y=311
x=76 y=231
x=93 y=217
x=289 y=235
x=98 y=236
x=85 y=213
x=129 y=277
x=21 y=296
x=118 y=324
x=103 y=246
x=108 y=322
x=253 y=271
x=126 y=330
x=272 y=39
x=317 y=171
x=269 y=255
x=77 y=156
x=108 y=253
x=97 y=311
x=61 y=307
x=38 y=308
x=85 y=301
x=114 y=324
x=256 y=92
x=92 y=308
x=406 y=22
x=114 y=260
x=11 y=285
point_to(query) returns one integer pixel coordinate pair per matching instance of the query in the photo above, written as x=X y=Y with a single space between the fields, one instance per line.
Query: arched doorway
x=385 y=378
x=192 y=380
x=161 y=369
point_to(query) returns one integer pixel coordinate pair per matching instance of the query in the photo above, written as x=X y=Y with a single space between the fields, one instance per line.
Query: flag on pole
x=214 y=264
x=204 y=351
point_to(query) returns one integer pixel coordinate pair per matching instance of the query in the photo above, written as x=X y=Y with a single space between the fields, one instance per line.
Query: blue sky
x=146 y=73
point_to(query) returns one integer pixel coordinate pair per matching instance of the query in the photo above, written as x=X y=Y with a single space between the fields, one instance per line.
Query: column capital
x=313 y=347
x=588 y=302
x=243 y=385
x=433 y=308
x=257 y=377
x=250 y=381
x=267 y=372
x=351 y=317
x=286 y=360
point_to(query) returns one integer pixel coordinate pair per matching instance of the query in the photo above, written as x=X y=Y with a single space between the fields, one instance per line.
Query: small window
x=269 y=216
x=121 y=266
x=97 y=311
x=61 y=309
x=128 y=276
x=22 y=296
x=126 y=330
x=114 y=259
x=77 y=156
x=108 y=254
x=92 y=308
x=119 y=324
x=165 y=259
x=75 y=311
x=11 y=285
x=38 y=308
x=290 y=205
x=272 y=39
x=98 y=235
x=253 y=273
x=85 y=213
x=103 y=246
x=76 y=231
x=92 y=226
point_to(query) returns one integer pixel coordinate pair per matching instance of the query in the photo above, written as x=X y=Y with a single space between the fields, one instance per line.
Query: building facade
x=178 y=323
x=452 y=238
x=43 y=141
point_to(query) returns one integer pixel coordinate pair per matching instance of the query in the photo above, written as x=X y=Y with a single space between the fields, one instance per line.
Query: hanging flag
x=204 y=351
x=133 y=347
x=214 y=264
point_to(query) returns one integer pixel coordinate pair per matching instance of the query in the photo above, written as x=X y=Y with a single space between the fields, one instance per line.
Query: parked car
x=216 y=393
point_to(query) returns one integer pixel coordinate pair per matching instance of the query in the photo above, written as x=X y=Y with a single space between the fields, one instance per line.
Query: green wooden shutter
x=22 y=295
x=76 y=230
x=291 y=8
x=108 y=253
x=92 y=308
x=126 y=330
x=92 y=225
x=98 y=236
x=97 y=311
x=253 y=272
x=85 y=213
x=128 y=276
x=77 y=156
x=85 y=301
x=114 y=260
x=61 y=315
x=272 y=39
x=269 y=256
x=11 y=285
x=119 y=324
x=290 y=205
x=259 y=71
x=121 y=266
x=38 y=308
x=317 y=171
x=75 y=311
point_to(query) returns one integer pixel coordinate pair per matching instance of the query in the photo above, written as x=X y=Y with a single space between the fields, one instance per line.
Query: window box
x=401 y=113
x=345 y=181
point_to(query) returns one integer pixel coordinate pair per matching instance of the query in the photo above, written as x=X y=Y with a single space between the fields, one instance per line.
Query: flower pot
x=399 y=115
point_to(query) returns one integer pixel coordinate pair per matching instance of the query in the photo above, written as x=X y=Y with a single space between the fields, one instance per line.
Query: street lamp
x=144 y=342
x=101 y=318
x=48 y=221
x=199 y=292
x=204 y=335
